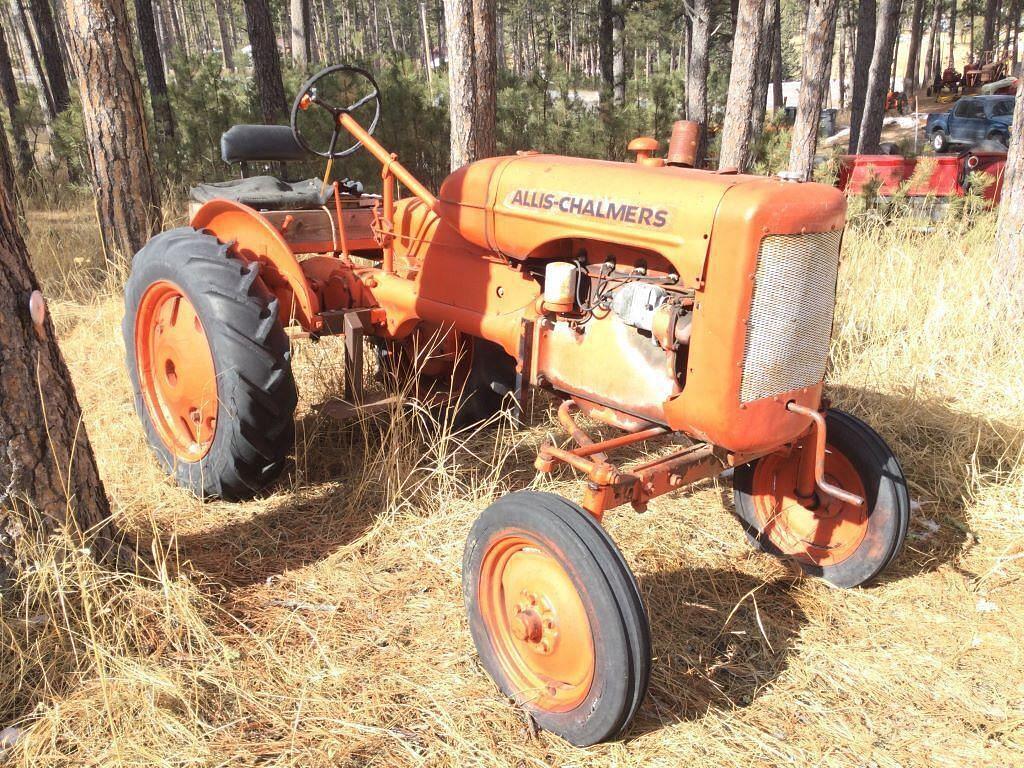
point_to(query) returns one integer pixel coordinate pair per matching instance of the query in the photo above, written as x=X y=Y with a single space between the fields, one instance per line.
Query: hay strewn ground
x=324 y=626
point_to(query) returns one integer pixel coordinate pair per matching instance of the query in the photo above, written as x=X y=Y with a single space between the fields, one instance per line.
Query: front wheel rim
x=177 y=376
x=824 y=533
x=537 y=623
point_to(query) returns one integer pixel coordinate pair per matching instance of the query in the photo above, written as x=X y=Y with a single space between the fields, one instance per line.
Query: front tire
x=210 y=365
x=556 y=616
x=845 y=545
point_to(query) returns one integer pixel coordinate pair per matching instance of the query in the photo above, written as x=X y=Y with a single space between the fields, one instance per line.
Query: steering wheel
x=310 y=96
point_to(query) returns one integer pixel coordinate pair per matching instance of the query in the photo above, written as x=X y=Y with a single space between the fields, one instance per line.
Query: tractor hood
x=523 y=206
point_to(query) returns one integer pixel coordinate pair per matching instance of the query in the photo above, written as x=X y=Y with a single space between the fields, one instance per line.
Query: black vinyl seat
x=268 y=144
x=261 y=144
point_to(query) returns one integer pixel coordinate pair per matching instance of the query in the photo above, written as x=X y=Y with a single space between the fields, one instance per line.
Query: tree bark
x=163 y=117
x=485 y=31
x=9 y=87
x=49 y=47
x=697 y=69
x=127 y=194
x=1010 y=229
x=991 y=18
x=933 y=45
x=170 y=42
x=738 y=131
x=763 y=73
x=878 y=77
x=266 y=61
x=814 y=82
x=910 y=81
x=952 y=36
x=618 y=53
x=777 y=97
x=458 y=18
x=48 y=473
x=45 y=94
x=606 y=55
x=227 y=43
x=863 y=53
x=428 y=54
x=300 y=33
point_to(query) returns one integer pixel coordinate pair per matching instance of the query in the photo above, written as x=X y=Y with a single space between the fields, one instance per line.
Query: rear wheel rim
x=177 y=375
x=824 y=532
x=537 y=623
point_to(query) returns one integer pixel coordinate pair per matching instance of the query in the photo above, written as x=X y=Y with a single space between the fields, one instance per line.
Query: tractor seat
x=267 y=193
x=268 y=144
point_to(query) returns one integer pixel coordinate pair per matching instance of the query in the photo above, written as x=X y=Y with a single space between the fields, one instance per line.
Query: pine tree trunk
x=227 y=43
x=952 y=35
x=125 y=183
x=48 y=473
x=763 y=73
x=300 y=33
x=878 y=77
x=814 y=82
x=163 y=117
x=697 y=69
x=42 y=82
x=266 y=61
x=170 y=41
x=428 y=54
x=864 y=52
x=910 y=82
x=458 y=17
x=1010 y=230
x=618 y=52
x=991 y=18
x=606 y=57
x=738 y=131
x=933 y=46
x=9 y=88
x=485 y=31
x=777 y=97
x=49 y=48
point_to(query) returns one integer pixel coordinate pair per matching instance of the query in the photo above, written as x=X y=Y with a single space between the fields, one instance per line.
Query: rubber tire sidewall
x=888 y=502
x=216 y=475
x=609 y=592
x=943 y=144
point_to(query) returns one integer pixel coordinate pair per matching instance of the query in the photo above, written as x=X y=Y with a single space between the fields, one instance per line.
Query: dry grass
x=323 y=625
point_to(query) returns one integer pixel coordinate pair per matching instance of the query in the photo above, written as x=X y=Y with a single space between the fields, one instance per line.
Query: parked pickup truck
x=972 y=119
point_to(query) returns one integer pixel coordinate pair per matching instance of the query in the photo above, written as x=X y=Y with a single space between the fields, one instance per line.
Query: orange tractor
x=660 y=300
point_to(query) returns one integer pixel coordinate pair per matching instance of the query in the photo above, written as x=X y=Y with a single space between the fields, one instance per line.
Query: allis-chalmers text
x=588 y=206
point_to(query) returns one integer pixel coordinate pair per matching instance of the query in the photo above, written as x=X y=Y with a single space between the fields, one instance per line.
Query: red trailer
x=947 y=179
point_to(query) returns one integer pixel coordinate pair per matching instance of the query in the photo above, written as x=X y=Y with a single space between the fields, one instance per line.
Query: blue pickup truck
x=972 y=119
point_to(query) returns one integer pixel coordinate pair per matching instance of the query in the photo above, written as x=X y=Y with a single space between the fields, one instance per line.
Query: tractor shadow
x=320 y=506
x=719 y=638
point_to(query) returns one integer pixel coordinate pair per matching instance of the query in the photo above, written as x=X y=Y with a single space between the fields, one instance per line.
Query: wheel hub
x=823 y=530
x=538 y=624
x=177 y=375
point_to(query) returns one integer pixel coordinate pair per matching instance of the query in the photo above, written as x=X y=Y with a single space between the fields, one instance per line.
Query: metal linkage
x=609 y=486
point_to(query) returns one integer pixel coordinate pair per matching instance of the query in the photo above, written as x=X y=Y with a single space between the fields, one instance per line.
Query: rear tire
x=843 y=545
x=1001 y=139
x=243 y=441
x=556 y=616
x=940 y=142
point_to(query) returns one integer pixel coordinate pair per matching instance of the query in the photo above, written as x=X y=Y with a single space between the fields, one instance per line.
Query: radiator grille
x=791 y=314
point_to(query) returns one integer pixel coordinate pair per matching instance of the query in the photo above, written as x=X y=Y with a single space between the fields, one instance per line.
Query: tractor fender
x=253 y=238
